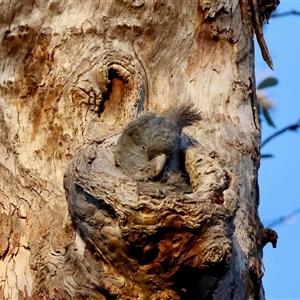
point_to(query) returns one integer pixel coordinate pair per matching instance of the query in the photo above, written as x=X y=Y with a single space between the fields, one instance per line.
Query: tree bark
x=73 y=225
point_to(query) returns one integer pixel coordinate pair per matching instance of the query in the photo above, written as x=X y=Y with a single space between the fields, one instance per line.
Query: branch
x=259 y=34
x=284 y=218
x=287 y=13
x=293 y=127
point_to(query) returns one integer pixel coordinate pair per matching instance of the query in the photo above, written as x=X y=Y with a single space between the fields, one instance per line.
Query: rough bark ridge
x=73 y=74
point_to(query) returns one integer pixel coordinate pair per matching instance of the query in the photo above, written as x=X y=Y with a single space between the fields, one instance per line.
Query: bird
x=151 y=147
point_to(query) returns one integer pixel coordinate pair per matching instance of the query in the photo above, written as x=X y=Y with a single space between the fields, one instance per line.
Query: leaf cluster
x=264 y=110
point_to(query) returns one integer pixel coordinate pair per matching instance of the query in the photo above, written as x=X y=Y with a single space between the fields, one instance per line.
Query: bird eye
x=143 y=147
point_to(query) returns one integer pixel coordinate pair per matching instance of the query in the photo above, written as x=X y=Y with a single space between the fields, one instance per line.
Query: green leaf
x=268 y=117
x=268 y=82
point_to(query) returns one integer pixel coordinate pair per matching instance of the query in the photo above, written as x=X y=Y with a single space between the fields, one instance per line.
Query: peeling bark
x=74 y=226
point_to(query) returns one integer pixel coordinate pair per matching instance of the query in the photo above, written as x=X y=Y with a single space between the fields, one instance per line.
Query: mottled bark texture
x=73 y=74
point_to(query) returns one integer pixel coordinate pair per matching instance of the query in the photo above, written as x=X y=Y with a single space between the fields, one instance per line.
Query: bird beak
x=158 y=163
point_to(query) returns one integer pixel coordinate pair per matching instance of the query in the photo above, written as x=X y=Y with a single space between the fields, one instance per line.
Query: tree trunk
x=73 y=75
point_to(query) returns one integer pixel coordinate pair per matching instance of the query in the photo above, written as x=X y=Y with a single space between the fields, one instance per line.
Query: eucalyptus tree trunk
x=73 y=225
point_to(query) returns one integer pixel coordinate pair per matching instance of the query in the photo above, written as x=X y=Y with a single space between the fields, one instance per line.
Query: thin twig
x=293 y=127
x=287 y=13
x=282 y=219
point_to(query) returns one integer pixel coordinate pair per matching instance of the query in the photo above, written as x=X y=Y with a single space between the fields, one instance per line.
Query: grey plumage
x=151 y=146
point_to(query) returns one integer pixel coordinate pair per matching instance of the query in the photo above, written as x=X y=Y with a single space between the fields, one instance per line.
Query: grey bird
x=151 y=146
